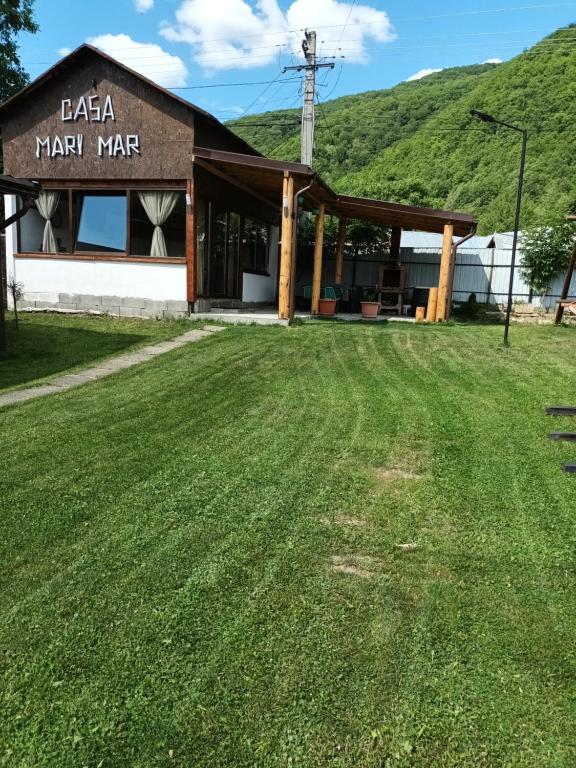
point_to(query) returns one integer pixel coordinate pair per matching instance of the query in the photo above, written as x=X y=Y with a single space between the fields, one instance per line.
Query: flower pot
x=370 y=309
x=327 y=307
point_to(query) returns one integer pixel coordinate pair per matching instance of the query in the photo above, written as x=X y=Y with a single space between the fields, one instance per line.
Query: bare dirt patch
x=356 y=565
x=350 y=521
x=409 y=546
x=395 y=473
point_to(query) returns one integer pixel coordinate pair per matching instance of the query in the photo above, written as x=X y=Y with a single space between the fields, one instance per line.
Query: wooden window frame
x=103 y=187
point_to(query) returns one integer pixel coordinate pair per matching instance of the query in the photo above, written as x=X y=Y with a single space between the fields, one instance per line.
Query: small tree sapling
x=16 y=291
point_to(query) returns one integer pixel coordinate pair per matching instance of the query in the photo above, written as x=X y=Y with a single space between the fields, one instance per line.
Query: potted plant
x=370 y=307
x=327 y=303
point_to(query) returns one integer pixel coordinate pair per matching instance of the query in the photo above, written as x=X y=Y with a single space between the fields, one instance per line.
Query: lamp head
x=482 y=116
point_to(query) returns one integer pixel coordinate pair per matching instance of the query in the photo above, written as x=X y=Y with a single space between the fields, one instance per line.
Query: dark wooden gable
x=150 y=135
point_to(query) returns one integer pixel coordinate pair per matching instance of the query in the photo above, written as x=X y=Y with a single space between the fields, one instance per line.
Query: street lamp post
x=489 y=119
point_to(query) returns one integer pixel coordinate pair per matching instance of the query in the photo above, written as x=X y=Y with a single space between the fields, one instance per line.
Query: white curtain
x=46 y=204
x=158 y=206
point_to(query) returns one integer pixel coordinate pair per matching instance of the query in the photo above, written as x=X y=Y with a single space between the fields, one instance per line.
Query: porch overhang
x=264 y=177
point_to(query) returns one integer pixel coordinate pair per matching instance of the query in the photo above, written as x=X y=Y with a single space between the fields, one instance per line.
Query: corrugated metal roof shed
x=430 y=240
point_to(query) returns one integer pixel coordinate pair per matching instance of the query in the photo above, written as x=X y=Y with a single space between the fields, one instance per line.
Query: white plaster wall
x=262 y=288
x=10 y=239
x=257 y=288
x=45 y=279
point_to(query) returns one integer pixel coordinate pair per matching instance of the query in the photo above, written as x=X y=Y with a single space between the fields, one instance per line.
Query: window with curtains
x=46 y=226
x=157 y=223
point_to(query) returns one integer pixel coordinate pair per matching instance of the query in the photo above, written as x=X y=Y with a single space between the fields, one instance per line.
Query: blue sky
x=184 y=44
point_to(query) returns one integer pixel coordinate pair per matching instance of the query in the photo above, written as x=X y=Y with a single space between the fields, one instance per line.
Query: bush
x=545 y=253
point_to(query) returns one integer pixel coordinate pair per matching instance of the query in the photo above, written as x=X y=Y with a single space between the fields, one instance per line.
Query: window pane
x=102 y=222
x=32 y=228
x=262 y=253
x=233 y=245
x=249 y=244
x=255 y=245
x=142 y=229
x=218 y=255
x=201 y=244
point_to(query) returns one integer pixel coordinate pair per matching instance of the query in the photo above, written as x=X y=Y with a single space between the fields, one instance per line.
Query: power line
x=280 y=45
x=485 y=11
x=229 y=85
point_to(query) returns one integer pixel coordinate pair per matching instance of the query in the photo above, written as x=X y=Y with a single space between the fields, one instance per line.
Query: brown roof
x=265 y=177
x=84 y=51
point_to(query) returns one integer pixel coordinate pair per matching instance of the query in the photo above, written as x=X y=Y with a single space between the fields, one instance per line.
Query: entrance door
x=223 y=277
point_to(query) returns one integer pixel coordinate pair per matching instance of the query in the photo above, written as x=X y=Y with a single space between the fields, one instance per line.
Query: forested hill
x=416 y=143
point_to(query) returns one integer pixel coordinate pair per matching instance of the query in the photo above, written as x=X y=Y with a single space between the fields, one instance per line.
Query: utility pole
x=309 y=49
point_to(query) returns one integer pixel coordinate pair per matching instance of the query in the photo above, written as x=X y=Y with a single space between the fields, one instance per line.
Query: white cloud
x=147 y=58
x=242 y=34
x=142 y=6
x=422 y=73
x=64 y=52
x=492 y=61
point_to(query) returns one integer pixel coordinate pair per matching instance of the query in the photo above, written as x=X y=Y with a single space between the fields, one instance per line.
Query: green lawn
x=202 y=560
x=48 y=344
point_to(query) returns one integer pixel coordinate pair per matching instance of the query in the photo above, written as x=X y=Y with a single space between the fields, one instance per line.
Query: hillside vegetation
x=416 y=143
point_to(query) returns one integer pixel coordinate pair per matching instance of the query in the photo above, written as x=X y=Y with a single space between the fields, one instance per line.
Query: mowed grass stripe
x=169 y=594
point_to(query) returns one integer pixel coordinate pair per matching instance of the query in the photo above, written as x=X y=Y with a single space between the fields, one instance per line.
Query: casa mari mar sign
x=91 y=109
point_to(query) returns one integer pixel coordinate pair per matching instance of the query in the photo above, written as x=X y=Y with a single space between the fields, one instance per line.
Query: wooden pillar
x=395 y=239
x=340 y=251
x=566 y=287
x=445 y=267
x=191 y=240
x=432 y=303
x=3 y=342
x=286 y=248
x=318 y=250
x=451 y=282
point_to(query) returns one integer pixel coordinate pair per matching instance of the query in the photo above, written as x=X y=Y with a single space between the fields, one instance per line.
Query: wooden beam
x=191 y=240
x=286 y=248
x=395 y=238
x=445 y=266
x=234 y=182
x=340 y=251
x=566 y=287
x=318 y=252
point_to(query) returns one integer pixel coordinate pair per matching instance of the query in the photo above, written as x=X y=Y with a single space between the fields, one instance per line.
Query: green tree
x=15 y=16
x=545 y=253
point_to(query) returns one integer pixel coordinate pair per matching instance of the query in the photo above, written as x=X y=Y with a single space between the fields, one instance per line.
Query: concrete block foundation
x=122 y=306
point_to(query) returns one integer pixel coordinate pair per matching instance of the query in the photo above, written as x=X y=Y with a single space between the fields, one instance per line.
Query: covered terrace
x=291 y=187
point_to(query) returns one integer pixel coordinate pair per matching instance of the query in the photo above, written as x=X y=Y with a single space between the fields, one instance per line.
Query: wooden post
x=490 y=275
x=395 y=238
x=191 y=240
x=3 y=342
x=431 y=308
x=566 y=287
x=286 y=250
x=340 y=251
x=444 y=282
x=318 y=250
